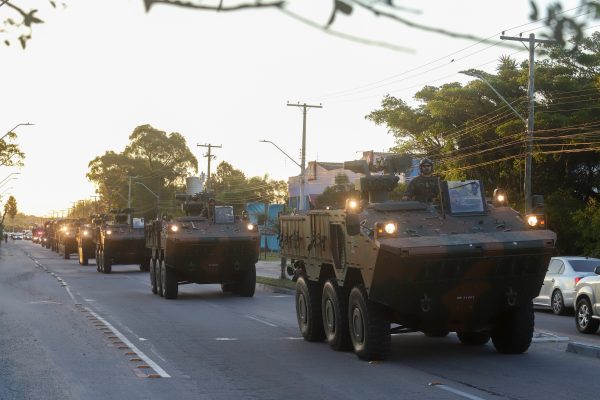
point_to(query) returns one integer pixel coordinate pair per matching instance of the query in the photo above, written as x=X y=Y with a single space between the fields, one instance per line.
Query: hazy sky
x=97 y=69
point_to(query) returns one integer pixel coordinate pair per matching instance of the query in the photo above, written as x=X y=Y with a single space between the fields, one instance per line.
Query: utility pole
x=301 y=204
x=530 y=119
x=209 y=156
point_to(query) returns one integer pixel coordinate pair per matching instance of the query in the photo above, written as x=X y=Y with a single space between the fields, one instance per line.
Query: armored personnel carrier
x=67 y=243
x=120 y=242
x=460 y=264
x=86 y=238
x=207 y=245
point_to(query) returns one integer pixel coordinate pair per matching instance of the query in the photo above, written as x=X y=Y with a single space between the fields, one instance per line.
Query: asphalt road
x=69 y=332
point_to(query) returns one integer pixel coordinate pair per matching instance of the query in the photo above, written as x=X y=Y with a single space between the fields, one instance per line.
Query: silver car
x=558 y=290
x=587 y=303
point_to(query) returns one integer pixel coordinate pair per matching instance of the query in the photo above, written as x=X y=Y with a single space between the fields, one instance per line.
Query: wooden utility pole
x=209 y=156
x=530 y=119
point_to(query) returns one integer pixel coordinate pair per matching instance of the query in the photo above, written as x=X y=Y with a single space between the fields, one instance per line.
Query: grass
x=270 y=256
x=284 y=283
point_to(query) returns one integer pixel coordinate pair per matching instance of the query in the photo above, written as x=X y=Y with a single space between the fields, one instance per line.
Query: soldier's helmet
x=426 y=162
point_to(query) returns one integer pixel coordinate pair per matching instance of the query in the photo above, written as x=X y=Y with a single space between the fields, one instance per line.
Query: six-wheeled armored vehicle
x=66 y=244
x=459 y=264
x=120 y=242
x=208 y=245
x=86 y=238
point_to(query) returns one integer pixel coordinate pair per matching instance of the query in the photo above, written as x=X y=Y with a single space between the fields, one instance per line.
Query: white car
x=558 y=290
x=587 y=303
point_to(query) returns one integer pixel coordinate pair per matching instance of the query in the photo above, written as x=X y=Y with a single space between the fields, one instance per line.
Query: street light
x=302 y=172
x=9 y=175
x=528 y=160
x=16 y=126
x=154 y=194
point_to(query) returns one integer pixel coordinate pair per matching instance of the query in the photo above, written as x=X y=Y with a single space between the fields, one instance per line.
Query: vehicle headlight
x=64 y=228
x=109 y=232
x=536 y=220
x=251 y=227
x=352 y=205
x=85 y=233
x=532 y=220
x=174 y=228
x=386 y=229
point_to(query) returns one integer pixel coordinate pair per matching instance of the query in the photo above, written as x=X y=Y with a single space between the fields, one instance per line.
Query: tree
x=10 y=153
x=159 y=162
x=335 y=196
x=10 y=209
x=560 y=25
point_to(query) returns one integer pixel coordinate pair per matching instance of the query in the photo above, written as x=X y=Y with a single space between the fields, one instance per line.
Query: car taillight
x=577 y=279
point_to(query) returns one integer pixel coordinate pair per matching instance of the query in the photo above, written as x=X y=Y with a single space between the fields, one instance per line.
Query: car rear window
x=584 y=265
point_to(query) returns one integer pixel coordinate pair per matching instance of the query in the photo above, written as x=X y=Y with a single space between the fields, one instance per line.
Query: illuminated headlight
x=251 y=227
x=85 y=233
x=174 y=228
x=536 y=220
x=64 y=228
x=501 y=198
x=386 y=229
x=352 y=205
x=108 y=232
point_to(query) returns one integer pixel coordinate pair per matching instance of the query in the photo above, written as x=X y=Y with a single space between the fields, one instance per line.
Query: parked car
x=587 y=303
x=558 y=290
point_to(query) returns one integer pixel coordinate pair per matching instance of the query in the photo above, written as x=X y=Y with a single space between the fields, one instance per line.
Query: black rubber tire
x=369 y=326
x=98 y=261
x=159 y=275
x=308 y=310
x=169 y=282
x=247 y=284
x=473 y=338
x=583 y=317
x=557 y=302
x=145 y=264
x=153 y=276
x=436 y=333
x=106 y=263
x=334 y=308
x=514 y=330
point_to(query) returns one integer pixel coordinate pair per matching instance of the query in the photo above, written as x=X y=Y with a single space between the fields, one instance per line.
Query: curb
x=584 y=349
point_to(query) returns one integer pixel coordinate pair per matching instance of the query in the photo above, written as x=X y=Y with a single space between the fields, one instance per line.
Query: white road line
x=143 y=356
x=225 y=339
x=550 y=339
x=456 y=391
x=262 y=321
x=70 y=294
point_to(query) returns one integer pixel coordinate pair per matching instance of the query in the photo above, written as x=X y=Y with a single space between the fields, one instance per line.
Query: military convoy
x=120 y=242
x=378 y=267
x=208 y=245
x=66 y=243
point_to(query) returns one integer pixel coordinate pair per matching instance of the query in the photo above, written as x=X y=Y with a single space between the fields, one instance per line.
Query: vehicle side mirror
x=597 y=270
x=352 y=224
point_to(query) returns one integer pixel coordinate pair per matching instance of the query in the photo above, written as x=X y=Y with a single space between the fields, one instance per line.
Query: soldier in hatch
x=423 y=188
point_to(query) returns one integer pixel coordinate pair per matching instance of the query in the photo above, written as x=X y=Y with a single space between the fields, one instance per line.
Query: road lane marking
x=226 y=339
x=148 y=360
x=455 y=391
x=262 y=321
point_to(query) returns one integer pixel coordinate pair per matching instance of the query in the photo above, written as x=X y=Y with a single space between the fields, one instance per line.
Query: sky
x=97 y=69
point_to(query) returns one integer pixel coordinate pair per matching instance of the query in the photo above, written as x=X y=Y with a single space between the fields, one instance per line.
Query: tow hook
x=511 y=297
x=425 y=304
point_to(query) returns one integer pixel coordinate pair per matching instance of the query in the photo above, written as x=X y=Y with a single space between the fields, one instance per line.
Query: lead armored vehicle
x=460 y=264
x=120 y=242
x=207 y=245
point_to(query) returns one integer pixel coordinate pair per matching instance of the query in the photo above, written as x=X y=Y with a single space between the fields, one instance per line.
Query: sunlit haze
x=97 y=69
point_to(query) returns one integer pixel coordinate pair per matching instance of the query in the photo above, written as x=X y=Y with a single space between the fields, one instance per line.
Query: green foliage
x=10 y=153
x=588 y=224
x=231 y=186
x=335 y=196
x=10 y=209
x=157 y=164
x=561 y=207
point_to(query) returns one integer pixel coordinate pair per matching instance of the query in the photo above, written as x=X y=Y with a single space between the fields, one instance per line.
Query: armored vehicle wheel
x=583 y=317
x=247 y=284
x=106 y=262
x=159 y=275
x=169 y=282
x=369 y=326
x=473 y=338
x=558 y=303
x=83 y=259
x=308 y=310
x=153 y=276
x=98 y=260
x=513 y=333
x=334 y=307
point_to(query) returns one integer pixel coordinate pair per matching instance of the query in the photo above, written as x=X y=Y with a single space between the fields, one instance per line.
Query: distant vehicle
x=587 y=303
x=27 y=235
x=118 y=242
x=38 y=234
x=66 y=243
x=16 y=236
x=379 y=266
x=208 y=245
x=558 y=290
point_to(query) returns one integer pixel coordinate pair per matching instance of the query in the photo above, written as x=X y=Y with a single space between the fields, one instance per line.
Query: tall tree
x=10 y=209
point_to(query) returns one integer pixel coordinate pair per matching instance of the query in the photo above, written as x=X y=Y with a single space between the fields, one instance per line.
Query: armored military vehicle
x=379 y=267
x=67 y=243
x=86 y=238
x=207 y=245
x=120 y=242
